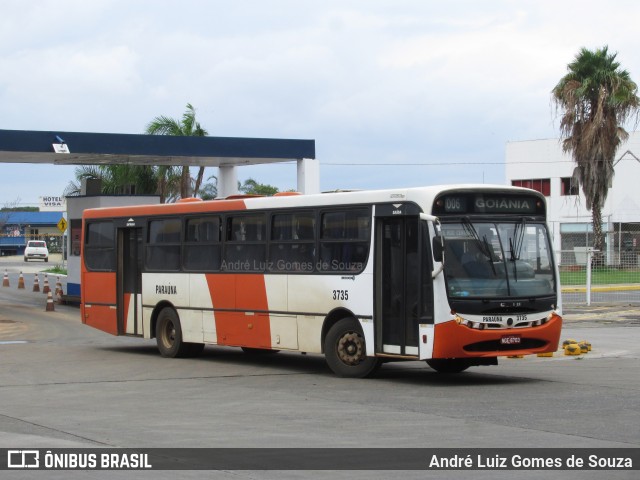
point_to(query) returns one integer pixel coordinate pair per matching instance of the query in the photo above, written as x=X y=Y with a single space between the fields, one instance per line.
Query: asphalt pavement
x=618 y=313
x=65 y=385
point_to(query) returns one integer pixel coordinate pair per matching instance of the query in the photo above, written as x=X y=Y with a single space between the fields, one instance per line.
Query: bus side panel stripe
x=99 y=301
x=247 y=294
x=125 y=312
x=102 y=317
x=99 y=287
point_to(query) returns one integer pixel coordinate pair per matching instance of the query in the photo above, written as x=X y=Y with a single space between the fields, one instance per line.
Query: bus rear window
x=99 y=248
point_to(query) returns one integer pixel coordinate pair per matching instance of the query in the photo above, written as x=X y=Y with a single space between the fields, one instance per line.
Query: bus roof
x=420 y=195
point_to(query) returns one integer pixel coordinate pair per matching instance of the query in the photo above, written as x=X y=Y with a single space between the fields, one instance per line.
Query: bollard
x=21 y=281
x=50 y=306
x=572 y=349
x=45 y=287
x=5 y=280
x=36 y=283
x=584 y=346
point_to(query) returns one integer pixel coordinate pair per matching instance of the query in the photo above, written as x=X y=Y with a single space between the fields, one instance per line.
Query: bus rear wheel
x=169 y=337
x=345 y=350
x=448 y=365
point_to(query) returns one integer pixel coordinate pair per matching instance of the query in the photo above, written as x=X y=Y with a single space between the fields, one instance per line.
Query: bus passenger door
x=129 y=281
x=404 y=292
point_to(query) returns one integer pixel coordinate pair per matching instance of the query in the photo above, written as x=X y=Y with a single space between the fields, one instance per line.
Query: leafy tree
x=13 y=207
x=189 y=127
x=5 y=213
x=251 y=187
x=595 y=98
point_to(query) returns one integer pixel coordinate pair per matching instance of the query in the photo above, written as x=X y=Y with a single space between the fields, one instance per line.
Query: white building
x=542 y=165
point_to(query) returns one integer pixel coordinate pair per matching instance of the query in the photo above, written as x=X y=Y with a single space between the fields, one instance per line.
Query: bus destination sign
x=488 y=203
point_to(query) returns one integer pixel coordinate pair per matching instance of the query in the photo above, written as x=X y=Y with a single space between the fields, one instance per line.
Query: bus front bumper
x=453 y=340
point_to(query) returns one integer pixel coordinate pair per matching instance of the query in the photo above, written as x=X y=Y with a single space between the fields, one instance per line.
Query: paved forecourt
x=63 y=384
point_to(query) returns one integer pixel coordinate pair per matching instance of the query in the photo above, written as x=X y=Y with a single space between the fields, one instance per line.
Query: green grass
x=601 y=276
x=56 y=270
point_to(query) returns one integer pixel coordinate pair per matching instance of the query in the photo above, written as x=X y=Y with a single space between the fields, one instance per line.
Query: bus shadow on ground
x=474 y=376
x=408 y=373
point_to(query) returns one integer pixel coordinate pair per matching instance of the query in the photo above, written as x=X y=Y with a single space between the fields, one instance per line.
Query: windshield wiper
x=516 y=243
x=483 y=245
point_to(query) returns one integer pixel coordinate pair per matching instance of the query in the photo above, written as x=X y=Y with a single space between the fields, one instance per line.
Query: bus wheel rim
x=170 y=334
x=351 y=348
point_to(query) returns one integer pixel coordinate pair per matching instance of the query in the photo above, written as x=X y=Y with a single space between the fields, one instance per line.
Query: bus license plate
x=511 y=340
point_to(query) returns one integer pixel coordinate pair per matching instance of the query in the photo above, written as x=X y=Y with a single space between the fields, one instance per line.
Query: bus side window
x=291 y=248
x=202 y=244
x=163 y=247
x=245 y=248
x=344 y=240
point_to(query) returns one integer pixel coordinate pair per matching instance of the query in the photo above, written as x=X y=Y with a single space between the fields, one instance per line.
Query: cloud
x=377 y=81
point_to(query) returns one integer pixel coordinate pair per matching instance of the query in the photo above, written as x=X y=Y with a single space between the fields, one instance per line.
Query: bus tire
x=169 y=337
x=345 y=350
x=448 y=365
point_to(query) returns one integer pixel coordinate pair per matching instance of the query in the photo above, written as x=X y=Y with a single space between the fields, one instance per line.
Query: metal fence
x=612 y=276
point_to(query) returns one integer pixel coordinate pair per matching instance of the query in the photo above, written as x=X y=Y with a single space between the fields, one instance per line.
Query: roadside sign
x=62 y=225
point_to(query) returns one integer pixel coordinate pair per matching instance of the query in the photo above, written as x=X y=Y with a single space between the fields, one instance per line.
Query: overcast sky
x=393 y=83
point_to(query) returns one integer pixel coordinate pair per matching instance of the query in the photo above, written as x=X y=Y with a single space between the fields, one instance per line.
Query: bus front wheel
x=448 y=365
x=346 y=352
x=169 y=337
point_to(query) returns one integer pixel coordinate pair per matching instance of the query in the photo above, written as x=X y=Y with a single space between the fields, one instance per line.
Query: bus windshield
x=489 y=259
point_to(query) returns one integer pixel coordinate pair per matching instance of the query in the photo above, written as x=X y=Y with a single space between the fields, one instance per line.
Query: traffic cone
x=59 y=292
x=45 y=287
x=36 y=283
x=58 y=287
x=50 y=306
x=5 y=280
x=20 y=281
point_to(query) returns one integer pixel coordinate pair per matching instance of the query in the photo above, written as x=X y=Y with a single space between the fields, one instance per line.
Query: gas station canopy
x=80 y=148
x=226 y=153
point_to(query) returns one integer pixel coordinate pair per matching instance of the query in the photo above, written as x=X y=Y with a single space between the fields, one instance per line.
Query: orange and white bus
x=454 y=275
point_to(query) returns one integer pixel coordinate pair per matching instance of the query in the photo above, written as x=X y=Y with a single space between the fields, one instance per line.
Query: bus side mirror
x=438 y=248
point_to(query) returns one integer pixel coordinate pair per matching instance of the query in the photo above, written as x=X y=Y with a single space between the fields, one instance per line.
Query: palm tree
x=595 y=98
x=250 y=186
x=189 y=127
x=209 y=190
x=116 y=179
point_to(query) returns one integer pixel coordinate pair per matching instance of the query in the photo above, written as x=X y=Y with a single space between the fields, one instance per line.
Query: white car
x=36 y=249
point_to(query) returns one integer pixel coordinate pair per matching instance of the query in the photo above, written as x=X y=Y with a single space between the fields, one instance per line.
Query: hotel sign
x=53 y=204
